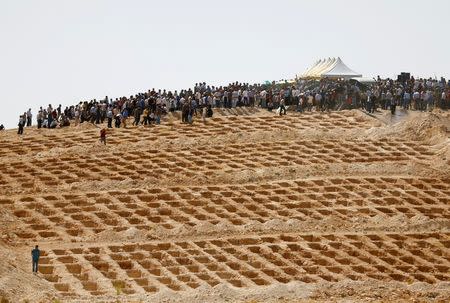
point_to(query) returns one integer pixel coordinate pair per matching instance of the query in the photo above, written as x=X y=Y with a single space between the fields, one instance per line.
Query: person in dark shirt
x=35 y=254
x=2 y=127
x=21 y=125
x=103 y=136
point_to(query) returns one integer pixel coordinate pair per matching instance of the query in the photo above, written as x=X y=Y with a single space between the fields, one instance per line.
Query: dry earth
x=249 y=207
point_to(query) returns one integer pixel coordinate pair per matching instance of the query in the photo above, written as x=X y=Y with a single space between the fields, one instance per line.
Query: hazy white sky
x=61 y=51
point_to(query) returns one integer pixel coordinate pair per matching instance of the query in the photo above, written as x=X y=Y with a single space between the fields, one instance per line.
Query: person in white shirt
x=398 y=95
x=443 y=100
x=295 y=95
x=318 y=98
x=310 y=102
x=217 y=98
x=39 y=119
x=429 y=100
x=234 y=98
x=109 y=116
x=389 y=99
x=172 y=104
x=282 y=108
x=198 y=96
x=29 y=117
x=245 y=97
x=263 y=95
x=77 y=115
x=416 y=100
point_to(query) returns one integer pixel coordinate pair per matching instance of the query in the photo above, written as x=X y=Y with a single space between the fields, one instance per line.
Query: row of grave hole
x=87 y=221
x=302 y=184
x=166 y=168
x=241 y=127
x=125 y=163
x=258 y=281
x=150 y=200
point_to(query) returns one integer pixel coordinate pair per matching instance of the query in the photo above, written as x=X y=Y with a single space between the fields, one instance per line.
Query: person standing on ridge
x=21 y=125
x=109 y=115
x=124 y=117
x=29 y=117
x=282 y=108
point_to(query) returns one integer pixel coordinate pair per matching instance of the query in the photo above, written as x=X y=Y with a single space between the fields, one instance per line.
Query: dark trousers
x=28 y=121
x=20 y=131
x=282 y=109
x=109 y=122
x=35 y=265
x=39 y=123
x=184 y=116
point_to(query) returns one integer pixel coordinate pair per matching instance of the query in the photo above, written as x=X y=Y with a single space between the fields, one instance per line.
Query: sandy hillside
x=247 y=207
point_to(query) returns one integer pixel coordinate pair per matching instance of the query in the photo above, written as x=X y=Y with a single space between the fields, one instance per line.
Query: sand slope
x=247 y=206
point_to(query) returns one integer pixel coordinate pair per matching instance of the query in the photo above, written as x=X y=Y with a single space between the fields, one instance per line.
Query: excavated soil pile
x=248 y=207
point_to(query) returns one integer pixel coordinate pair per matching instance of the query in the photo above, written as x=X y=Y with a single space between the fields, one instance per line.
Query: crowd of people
x=302 y=95
x=411 y=94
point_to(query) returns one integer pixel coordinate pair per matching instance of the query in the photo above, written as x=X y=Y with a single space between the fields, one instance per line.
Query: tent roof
x=340 y=70
x=330 y=64
x=312 y=67
x=314 y=71
x=331 y=68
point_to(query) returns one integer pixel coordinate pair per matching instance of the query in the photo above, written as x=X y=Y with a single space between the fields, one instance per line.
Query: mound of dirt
x=86 y=125
x=17 y=283
x=426 y=127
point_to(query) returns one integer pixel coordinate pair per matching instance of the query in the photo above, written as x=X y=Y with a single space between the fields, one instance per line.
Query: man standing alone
x=35 y=254
x=103 y=136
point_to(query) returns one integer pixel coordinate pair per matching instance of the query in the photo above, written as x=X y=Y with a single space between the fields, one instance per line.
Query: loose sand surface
x=247 y=207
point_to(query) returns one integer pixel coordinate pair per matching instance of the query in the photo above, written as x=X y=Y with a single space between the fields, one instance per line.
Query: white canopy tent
x=340 y=70
x=329 y=65
x=313 y=66
x=319 y=67
x=330 y=68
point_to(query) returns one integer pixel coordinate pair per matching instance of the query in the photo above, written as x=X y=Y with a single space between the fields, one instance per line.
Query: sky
x=65 y=51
